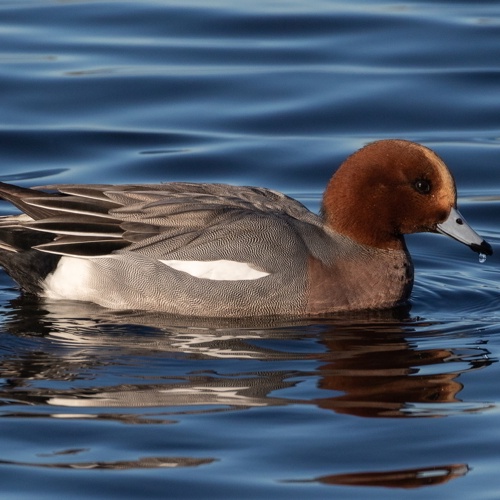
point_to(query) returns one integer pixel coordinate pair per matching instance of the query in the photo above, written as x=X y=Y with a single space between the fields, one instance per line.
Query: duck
x=218 y=250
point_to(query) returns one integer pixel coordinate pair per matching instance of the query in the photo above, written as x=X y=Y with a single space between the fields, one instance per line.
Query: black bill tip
x=484 y=247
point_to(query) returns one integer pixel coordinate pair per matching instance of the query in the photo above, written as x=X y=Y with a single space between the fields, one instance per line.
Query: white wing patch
x=220 y=270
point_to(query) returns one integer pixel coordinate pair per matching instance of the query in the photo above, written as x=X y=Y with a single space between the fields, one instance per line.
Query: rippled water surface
x=400 y=404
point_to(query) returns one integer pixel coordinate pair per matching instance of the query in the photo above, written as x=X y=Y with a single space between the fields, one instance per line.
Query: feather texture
x=155 y=219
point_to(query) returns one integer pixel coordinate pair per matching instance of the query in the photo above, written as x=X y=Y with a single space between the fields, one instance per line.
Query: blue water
x=402 y=404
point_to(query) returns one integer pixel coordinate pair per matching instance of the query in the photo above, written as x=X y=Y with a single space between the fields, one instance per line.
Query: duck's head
x=391 y=188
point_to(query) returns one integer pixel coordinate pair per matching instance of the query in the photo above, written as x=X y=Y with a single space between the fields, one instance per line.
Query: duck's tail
x=24 y=264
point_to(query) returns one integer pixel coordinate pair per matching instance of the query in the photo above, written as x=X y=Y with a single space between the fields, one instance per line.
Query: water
x=401 y=404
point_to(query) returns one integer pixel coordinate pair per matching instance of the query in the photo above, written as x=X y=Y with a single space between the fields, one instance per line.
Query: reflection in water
x=390 y=377
x=142 y=463
x=195 y=391
x=408 y=478
x=53 y=356
x=371 y=368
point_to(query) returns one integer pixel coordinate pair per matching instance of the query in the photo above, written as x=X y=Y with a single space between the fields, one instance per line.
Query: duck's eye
x=423 y=186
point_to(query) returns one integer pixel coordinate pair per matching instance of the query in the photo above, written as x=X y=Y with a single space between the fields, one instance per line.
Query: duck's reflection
x=388 y=376
x=371 y=366
x=368 y=368
x=404 y=478
x=141 y=463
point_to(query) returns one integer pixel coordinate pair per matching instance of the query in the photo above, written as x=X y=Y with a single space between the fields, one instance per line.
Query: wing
x=165 y=221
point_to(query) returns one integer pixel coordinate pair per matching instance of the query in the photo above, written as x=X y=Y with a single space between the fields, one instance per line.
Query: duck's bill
x=457 y=228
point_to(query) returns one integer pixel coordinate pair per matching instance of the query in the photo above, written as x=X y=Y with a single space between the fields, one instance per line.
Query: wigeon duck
x=226 y=251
